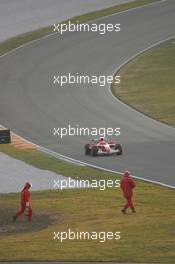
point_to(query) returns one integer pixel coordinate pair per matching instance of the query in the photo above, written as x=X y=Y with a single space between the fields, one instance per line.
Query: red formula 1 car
x=101 y=146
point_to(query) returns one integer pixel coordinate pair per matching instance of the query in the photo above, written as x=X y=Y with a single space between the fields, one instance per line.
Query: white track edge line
x=78 y=162
x=126 y=62
x=52 y=34
x=71 y=159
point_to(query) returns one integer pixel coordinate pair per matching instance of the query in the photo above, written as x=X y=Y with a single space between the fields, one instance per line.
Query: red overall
x=25 y=202
x=127 y=184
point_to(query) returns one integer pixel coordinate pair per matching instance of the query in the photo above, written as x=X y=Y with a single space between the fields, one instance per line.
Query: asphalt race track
x=32 y=106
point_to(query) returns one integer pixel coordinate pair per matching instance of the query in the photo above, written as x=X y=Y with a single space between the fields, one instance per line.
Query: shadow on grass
x=41 y=220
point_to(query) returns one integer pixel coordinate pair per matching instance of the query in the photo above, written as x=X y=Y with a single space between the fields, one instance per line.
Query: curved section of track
x=32 y=106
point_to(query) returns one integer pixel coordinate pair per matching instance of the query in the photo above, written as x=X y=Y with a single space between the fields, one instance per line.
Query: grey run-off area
x=15 y=173
x=19 y=16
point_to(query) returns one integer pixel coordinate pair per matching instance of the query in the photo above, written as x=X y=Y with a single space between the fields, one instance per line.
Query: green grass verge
x=15 y=42
x=147 y=236
x=148 y=83
x=45 y=162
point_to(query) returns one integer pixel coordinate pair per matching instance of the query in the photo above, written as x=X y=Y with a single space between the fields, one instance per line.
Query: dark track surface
x=32 y=106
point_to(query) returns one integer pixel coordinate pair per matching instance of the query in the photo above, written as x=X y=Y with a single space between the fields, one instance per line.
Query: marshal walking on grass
x=127 y=185
x=25 y=203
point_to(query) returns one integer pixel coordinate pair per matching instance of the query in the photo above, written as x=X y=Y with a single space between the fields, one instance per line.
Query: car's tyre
x=94 y=151
x=118 y=147
x=87 y=150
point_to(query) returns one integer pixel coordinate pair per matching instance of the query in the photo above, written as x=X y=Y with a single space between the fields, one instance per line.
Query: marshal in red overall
x=26 y=205
x=127 y=185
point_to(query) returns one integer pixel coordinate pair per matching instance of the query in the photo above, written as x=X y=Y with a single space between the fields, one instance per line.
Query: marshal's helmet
x=28 y=185
x=127 y=173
